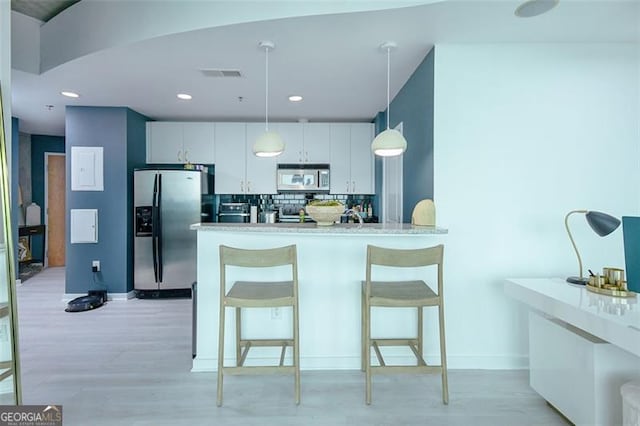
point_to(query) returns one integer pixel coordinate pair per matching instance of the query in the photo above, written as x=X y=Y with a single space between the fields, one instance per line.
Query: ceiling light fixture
x=532 y=8
x=184 y=96
x=295 y=98
x=69 y=94
x=269 y=144
x=390 y=142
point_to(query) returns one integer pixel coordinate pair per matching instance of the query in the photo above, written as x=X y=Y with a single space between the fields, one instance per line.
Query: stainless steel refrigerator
x=166 y=203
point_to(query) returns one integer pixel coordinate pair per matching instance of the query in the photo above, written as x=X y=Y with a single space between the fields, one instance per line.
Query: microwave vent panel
x=214 y=72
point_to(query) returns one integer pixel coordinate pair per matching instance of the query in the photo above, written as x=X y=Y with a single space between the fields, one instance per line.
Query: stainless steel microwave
x=303 y=178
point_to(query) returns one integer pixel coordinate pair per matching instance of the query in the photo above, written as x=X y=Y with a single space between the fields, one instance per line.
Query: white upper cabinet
x=316 y=140
x=304 y=142
x=230 y=158
x=170 y=142
x=198 y=143
x=352 y=163
x=340 y=164
x=164 y=142
x=260 y=175
x=291 y=134
x=362 y=159
x=238 y=170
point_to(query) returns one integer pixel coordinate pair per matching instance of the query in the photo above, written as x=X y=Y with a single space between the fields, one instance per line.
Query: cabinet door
x=261 y=171
x=362 y=167
x=198 y=143
x=291 y=134
x=340 y=159
x=230 y=158
x=164 y=142
x=317 y=145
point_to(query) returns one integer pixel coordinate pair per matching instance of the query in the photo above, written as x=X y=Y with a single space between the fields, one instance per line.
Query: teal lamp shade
x=601 y=223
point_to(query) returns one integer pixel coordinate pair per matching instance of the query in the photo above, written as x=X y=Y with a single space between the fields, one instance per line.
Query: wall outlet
x=95 y=266
x=276 y=313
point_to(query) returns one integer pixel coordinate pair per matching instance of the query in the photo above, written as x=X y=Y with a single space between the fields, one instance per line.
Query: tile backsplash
x=290 y=204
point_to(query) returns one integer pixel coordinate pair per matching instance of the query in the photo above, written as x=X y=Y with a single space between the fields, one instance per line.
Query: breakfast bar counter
x=331 y=266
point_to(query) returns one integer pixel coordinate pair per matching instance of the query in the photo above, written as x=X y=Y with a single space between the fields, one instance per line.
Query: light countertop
x=312 y=228
x=614 y=319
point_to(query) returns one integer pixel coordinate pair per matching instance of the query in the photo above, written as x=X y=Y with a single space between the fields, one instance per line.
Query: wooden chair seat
x=401 y=293
x=260 y=294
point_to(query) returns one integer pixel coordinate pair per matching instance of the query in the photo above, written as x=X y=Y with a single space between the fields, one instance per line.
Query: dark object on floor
x=94 y=299
x=28 y=270
x=163 y=294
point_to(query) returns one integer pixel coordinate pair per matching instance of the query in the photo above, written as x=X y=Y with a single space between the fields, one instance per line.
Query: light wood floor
x=128 y=363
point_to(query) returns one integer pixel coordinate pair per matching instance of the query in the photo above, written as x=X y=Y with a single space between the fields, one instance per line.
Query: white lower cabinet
x=352 y=167
x=578 y=373
x=237 y=170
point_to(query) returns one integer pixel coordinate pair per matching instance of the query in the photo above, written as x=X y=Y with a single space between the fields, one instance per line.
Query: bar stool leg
x=363 y=338
x=296 y=351
x=220 y=353
x=443 y=356
x=367 y=352
x=238 y=335
x=420 y=336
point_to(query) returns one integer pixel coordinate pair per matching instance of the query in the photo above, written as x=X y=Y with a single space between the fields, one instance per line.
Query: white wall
x=25 y=52
x=524 y=134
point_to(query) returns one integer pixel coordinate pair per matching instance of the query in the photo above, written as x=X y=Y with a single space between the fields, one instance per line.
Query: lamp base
x=578 y=280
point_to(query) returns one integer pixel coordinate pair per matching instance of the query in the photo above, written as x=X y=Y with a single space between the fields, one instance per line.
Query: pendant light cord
x=388 y=72
x=266 y=94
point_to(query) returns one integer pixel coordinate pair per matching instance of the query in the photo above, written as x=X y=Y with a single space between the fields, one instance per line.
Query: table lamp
x=602 y=223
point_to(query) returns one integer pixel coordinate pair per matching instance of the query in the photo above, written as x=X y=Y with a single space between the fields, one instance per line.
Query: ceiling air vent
x=212 y=72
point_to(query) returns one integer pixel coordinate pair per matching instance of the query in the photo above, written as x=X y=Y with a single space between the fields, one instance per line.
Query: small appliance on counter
x=234 y=213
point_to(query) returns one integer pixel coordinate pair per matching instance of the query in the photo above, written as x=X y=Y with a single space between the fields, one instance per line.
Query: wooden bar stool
x=402 y=294
x=258 y=294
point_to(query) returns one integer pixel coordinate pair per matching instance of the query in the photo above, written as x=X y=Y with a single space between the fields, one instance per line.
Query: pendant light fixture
x=269 y=144
x=389 y=143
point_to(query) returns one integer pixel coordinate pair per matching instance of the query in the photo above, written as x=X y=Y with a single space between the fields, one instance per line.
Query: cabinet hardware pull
x=347 y=186
x=179 y=156
x=353 y=186
x=186 y=158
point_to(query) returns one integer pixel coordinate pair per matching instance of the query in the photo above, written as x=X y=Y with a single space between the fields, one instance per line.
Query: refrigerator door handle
x=159 y=228
x=154 y=228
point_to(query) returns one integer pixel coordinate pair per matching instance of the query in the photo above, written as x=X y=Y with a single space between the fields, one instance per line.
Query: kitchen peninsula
x=331 y=266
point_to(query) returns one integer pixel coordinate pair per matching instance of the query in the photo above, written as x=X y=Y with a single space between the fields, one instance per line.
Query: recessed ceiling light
x=69 y=94
x=295 y=98
x=184 y=96
x=532 y=8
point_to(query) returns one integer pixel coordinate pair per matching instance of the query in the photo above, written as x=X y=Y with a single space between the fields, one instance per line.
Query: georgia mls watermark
x=30 y=415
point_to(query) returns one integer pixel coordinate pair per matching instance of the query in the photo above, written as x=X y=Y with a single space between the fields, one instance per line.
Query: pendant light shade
x=269 y=144
x=389 y=143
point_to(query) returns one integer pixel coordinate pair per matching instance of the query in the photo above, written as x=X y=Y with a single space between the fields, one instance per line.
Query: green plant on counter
x=324 y=203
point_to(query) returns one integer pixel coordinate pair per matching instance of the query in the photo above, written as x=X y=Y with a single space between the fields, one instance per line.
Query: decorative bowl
x=325 y=215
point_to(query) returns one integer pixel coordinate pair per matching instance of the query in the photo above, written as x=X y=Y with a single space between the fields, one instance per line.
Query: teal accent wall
x=40 y=145
x=121 y=132
x=413 y=106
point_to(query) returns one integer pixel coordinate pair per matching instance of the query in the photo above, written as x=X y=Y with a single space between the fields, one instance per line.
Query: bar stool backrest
x=258 y=258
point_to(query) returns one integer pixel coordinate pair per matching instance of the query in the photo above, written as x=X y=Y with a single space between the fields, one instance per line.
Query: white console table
x=582 y=347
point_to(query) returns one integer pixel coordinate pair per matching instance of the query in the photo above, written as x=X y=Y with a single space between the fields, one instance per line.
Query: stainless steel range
x=234 y=212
